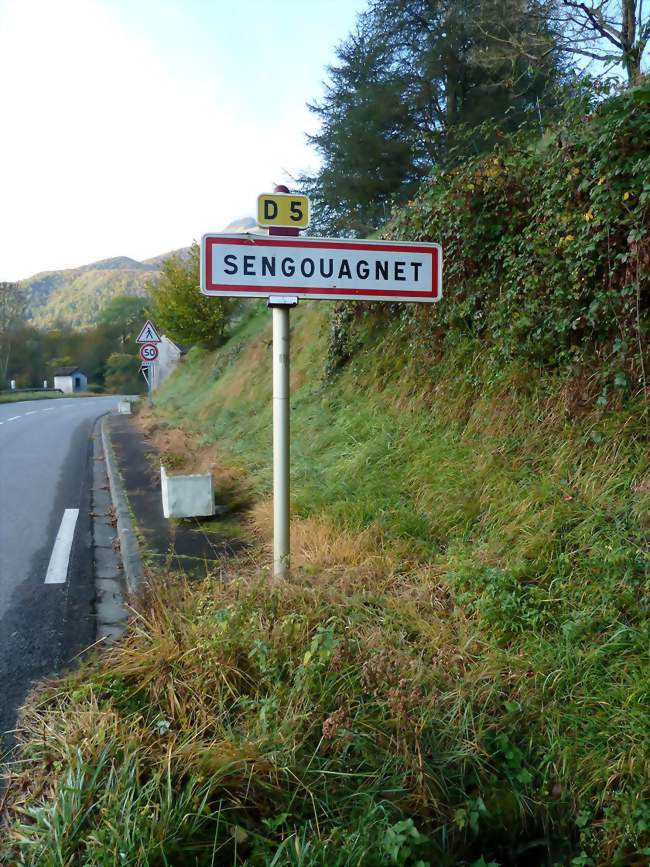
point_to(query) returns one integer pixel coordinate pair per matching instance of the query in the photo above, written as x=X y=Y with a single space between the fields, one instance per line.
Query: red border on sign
x=143 y=329
x=210 y=241
x=143 y=346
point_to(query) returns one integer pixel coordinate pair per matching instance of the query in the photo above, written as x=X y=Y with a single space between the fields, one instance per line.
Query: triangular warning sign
x=148 y=333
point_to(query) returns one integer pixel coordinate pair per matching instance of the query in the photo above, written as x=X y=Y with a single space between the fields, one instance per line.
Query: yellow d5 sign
x=283 y=209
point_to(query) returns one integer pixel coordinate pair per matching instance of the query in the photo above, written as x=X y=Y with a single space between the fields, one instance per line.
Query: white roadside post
x=284 y=268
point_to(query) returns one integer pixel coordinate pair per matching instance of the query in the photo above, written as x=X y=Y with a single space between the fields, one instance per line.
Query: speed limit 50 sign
x=149 y=352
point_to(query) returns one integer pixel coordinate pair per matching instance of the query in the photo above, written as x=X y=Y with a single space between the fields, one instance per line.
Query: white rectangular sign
x=322 y=268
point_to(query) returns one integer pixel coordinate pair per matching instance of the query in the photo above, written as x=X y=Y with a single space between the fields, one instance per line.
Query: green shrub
x=546 y=251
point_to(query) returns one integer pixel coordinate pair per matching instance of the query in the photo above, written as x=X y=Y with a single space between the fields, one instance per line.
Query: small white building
x=168 y=357
x=70 y=379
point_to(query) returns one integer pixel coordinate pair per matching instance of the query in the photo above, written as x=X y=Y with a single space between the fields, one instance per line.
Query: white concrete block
x=186 y=496
x=124 y=407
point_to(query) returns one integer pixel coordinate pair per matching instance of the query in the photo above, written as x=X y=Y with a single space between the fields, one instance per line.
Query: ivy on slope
x=546 y=248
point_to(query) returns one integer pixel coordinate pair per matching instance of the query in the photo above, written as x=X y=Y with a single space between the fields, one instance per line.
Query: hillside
x=457 y=668
x=76 y=296
x=456 y=673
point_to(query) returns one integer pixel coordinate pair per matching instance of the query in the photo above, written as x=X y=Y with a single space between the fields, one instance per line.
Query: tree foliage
x=122 y=373
x=36 y=353
x=123 y=317
x=407 y=81
x=547 y=251
x=611 y=32
x=179 y=308
x=76 y=297
x=13 y=305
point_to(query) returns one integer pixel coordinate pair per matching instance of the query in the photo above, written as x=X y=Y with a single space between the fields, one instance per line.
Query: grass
x=43 y=395
x=222 y=529
x=151 y=807
x=456 y=673
x=292 y=719
x=36 y=395
x=533 y=513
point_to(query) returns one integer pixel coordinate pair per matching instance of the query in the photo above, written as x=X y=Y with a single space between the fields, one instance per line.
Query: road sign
x=255 y=266
x=148 y=333
x=284 y=268
x=149 y=352
x=283 y=209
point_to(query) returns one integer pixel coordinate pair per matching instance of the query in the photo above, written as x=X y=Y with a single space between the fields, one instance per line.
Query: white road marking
x=33 y=412
x=57 y=571
x=14 y=417
x=49 y=409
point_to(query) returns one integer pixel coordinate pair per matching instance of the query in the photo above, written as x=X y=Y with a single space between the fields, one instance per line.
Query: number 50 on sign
x=149 y=352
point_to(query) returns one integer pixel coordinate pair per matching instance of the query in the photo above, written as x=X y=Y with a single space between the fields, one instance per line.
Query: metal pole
x=281 y=363
x=281 y=368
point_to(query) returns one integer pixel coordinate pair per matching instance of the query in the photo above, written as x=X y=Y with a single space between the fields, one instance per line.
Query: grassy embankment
x=457 y=672
x=465 y=644
x=48 y=395
x=45 y=395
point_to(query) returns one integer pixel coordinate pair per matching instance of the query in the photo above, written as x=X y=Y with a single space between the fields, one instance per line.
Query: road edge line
x=129 y=547
x=59 y=564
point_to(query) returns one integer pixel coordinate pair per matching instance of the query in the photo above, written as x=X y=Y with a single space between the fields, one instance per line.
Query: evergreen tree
x=409 y=82
x=368 y=139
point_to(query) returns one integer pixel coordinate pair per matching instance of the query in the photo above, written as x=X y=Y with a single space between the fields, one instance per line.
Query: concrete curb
x=129 y=548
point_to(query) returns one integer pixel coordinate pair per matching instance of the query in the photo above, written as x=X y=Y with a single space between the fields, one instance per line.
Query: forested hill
x=76 y=296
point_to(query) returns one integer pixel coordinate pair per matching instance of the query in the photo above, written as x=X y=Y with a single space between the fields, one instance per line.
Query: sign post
x=148 y=338
x=284 y=268
x=281 y=432
x=282 y=221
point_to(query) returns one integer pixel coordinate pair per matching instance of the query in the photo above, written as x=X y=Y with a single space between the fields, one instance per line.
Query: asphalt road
x=45 y=469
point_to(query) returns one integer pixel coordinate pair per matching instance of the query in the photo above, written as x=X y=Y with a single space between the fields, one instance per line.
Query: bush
x=179 y=308
x=123 y=374
x=546 y=247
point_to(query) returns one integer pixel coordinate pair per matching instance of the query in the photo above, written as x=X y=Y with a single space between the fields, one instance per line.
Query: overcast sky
x=131 y=127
